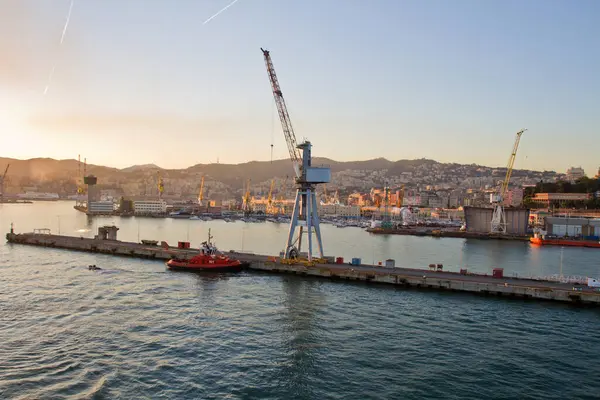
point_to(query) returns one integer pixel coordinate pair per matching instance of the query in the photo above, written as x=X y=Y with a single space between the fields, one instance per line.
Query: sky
x=147 y=81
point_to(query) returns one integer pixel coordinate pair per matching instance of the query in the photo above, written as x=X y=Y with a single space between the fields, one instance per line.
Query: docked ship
x=209 y=259
x=542 y=240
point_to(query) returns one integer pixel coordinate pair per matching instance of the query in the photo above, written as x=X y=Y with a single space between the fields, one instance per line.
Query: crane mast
x=510 y=164
x=201 y=192
x=269 y=207
x=246 y=199
x=160 y=185
x=305 y=214
x=498 y=224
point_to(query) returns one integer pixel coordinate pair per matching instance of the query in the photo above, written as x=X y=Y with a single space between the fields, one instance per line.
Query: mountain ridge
x=61 y=176
x=46 y=167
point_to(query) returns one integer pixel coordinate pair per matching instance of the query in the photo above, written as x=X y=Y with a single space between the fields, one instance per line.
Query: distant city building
x=436 y=201
x=149 y=207
x=575 y=173
x=358 y=199
x=514 y=197
x=548 y=198
x=337 y=210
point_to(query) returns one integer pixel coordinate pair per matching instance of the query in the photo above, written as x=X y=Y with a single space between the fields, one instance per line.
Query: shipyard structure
x=477 y=220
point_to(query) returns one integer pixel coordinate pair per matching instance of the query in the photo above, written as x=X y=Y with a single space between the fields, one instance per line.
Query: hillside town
x=356 y=188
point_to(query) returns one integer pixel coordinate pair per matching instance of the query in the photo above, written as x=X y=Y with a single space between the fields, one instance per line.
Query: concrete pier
x=403 y=277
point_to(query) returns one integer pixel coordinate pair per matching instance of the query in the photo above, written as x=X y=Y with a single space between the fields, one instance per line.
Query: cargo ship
x=542 y=240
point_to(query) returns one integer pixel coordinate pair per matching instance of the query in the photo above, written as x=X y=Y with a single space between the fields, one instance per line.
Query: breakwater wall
x=402 y=277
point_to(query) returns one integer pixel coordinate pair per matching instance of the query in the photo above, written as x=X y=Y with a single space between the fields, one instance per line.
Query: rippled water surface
x=135 y=330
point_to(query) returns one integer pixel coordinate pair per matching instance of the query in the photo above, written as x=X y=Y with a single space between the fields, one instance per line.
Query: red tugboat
x=209 y=259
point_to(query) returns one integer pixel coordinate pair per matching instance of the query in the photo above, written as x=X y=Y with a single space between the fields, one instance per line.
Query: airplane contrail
x=62 y=39
x=223 y=9
x=50 y=78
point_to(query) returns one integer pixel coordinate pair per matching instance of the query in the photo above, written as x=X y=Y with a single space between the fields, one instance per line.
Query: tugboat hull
x=184 y=265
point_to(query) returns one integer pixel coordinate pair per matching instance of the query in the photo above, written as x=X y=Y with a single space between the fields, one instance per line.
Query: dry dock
x=404 y=277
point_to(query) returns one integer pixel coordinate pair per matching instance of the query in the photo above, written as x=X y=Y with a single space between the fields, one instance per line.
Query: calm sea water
x=135 y=330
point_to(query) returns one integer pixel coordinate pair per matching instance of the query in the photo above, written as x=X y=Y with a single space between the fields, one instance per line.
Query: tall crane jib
x=286 y=122
x=305 y=212
x=498 y=223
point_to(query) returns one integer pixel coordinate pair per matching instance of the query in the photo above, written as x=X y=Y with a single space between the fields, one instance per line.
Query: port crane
x=160 y=185
x=246 y=199
x=305 y=213
x=3 y=182
x=325 y=196
x=336 y=198
x=201 y=192
x=400 y=197
x=270 y=208
x=386 y=222
x=80 y=200
x=498 y=224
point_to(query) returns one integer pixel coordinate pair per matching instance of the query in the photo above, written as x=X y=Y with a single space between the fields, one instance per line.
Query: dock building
x=548 y=199
x=573 y=227
x=149 y=207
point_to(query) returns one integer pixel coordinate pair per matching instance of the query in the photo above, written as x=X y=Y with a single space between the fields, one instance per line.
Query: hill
x=143 y=167
x=44 y=169
x=46 y=174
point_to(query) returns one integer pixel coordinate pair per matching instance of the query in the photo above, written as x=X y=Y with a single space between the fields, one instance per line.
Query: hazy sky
x=145 y=81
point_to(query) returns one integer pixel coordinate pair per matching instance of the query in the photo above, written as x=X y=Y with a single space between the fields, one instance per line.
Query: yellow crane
x=278 y=206
x=80 y=188
x=246 y=198
x=336 y=197
x=498 y=224
x=201 y=192
x=160 y=185
x=270 y=199
x=400 y=198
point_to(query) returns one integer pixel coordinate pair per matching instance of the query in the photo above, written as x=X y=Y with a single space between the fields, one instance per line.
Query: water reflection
x=303 y=302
